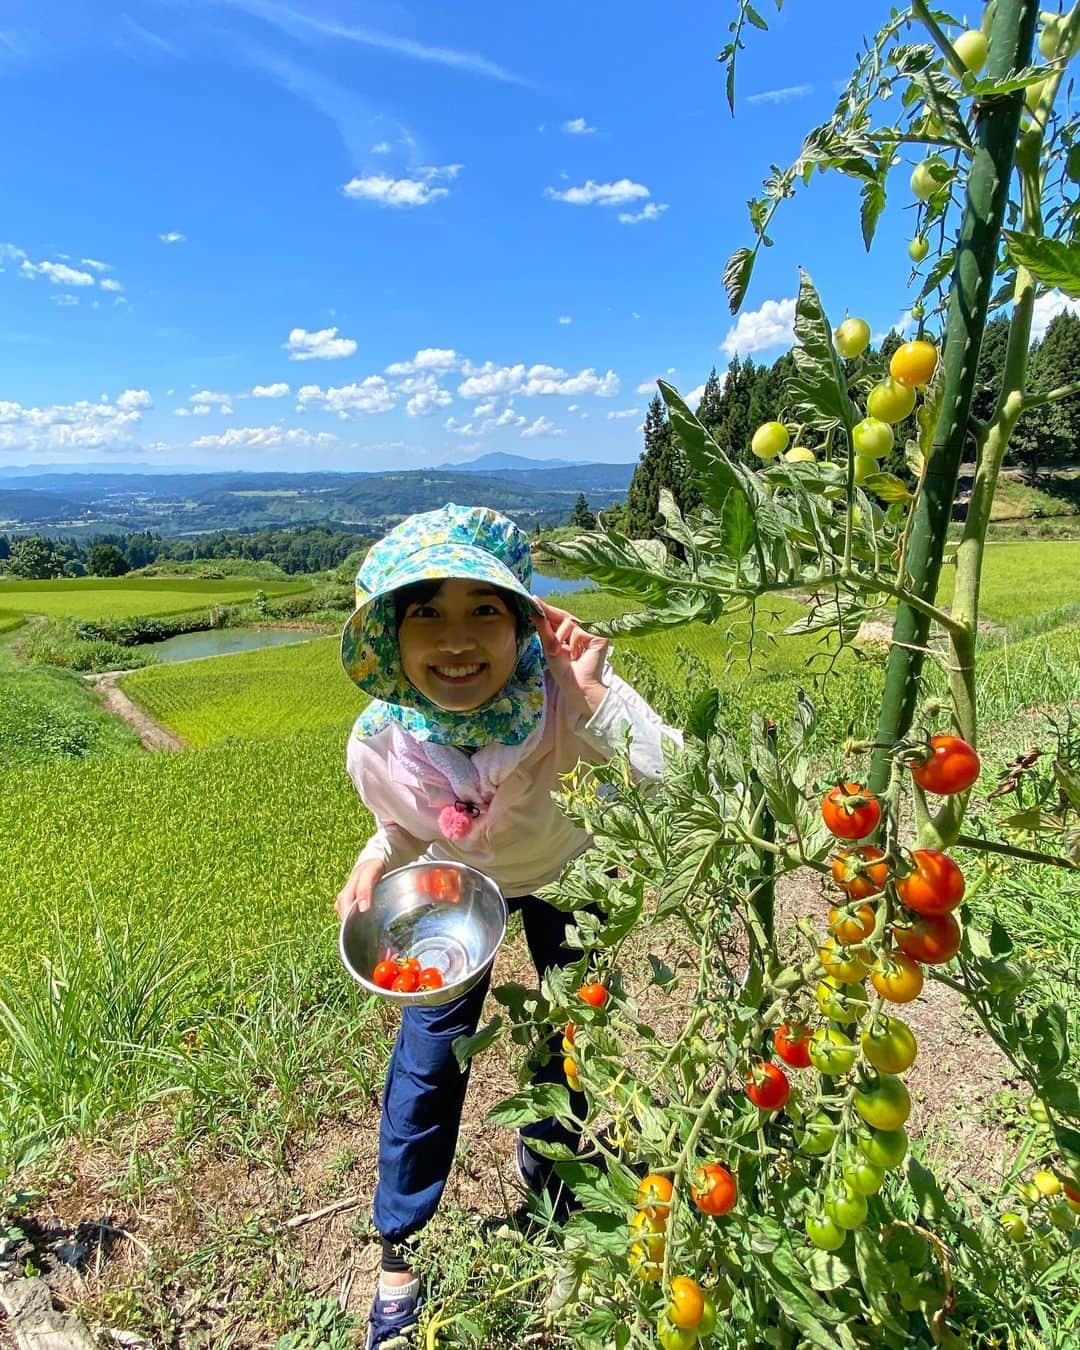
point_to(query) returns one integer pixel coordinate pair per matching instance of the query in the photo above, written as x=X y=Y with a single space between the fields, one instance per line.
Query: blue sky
x=292 y=234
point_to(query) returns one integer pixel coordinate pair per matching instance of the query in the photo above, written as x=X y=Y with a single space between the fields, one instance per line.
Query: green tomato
x=1061 y=1216
x=840 y=1002
x=884 y=1104
x=890 y=401
x=864 y=467
x=1014 y=1226
x=824 y=1232
x=852 y=338
x=1037 y=1111
x=972 y=49
x=846 y=1207
x=929 y=177
x=707 y=1325
x=816 y=1135
x=770 y=439
x=918 y=249
x=672 y=1337
x=800 y=454
x=832 y=1051
x=884 y=1148
x=863 y=1177
x=872 y=437
x=889 y=1045
x=1028 y=1192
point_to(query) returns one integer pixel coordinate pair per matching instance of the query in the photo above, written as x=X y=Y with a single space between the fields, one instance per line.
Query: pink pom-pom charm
x=457 y=821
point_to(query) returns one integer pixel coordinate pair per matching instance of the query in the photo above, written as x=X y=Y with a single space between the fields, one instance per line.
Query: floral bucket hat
x=472 y=542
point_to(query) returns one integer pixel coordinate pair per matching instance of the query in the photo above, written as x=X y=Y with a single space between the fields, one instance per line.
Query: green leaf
x=715 y=472
x=737 y=525
x=536 y=1102
x=887 y=486
x=929 y=1196
x=1047 y=1046
x=818 y=389
x=1068 y=780
x=704 y=712
x=467 y=1046
x=1023 y=79
x=875 y=1276
x=740 y=265
x=1051 y=262
x=661 y=974
x=830 y=1270
x=782 y=795
x=755 y=18
x=676 y=528
x=873 y=203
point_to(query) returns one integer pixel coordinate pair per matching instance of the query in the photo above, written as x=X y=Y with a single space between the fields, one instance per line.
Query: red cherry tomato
x=406 y=982
x=714 y=1190
x=430 y=978
x=384 y=974
x=952 y=766
x=850 y=812
x=930 y=938
x=595 y=995
x=408 y=963
x=767 y=1087
x=857 y=871
x=792 y=1042
x=935 y=886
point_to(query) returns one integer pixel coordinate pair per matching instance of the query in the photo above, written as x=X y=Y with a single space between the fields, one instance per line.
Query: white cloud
x=1047 y=307
x=371 y=395
x=402 y=193
x=110 y=284
x=202 y=410
x=324 y=345
x=181 y=412
x=60 y=274
x=211 y=399
x=621 y=413
x=600 y=194
x=647 y=387
x=650 y=211
x=490 y=380
x=693 y=398
x=426 y=401
x=427 y=358
x=507 y=418
x=542 y=427
x=484 y=409
x=270 y=390
x=383 y=148
x=565 y=319
x=65 y=299
x=756 y=331
x=81 y=425
x=173 y=237
x=11 y=253
x=95 y=264
x=785 y=95
x=134 y=398
x=246 y=438
x=577 y=126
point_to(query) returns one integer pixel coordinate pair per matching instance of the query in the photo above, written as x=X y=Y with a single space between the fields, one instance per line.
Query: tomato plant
x=897 y=977
x=770 y=439
x=849 y=928
x=852 y=338
x=930 y=938
x=913 y=364
x=889 y=1044
x=595 y=995
x=686 y=1302
x=858 y=871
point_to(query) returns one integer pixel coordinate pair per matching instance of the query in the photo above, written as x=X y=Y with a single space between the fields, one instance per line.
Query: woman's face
x=460 y=647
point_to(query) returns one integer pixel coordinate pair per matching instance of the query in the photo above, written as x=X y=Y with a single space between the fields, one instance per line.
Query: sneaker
x=540 y=1179
x=392 y=1321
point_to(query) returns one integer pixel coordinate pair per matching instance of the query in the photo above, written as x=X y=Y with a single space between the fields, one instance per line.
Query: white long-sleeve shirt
x=523 y=840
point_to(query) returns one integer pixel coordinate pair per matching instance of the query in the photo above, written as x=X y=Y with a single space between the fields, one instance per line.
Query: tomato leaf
x=538 y=1101
x=737 y=273
x=931 y=1200
x=887 y=486
x=829 y=1270
x=676 y=528
x=1050 y=261
x=661 y=974
x=737 y=525
x=875 y=1276
x=873 y=203
x=1047 y=1044
x=467 y=1046
x=818 y=389
x=703 y=716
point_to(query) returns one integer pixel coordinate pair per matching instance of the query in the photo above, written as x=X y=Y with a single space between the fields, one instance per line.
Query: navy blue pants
x=425 y=1088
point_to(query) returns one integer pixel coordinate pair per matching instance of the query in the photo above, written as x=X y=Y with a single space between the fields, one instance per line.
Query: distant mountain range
x=81 y=503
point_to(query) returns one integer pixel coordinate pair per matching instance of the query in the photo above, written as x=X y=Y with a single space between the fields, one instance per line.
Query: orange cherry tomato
x=430 y=978
x=714 y=1190
x=930 y=938
x=654 y=1195
x=594 y=994
x=687 y=1302
x=849 y=929
x=857 y=871
x=897 y=977
x=935 y=886
x=850 y=812
x=952 y=766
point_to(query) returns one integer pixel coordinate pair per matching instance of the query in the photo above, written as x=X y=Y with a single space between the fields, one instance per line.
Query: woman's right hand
x=357 y=890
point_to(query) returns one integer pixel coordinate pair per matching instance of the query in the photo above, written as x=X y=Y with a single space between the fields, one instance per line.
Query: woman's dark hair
x=420 y=592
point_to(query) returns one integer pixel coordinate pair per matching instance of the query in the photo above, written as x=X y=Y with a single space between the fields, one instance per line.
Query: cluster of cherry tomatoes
x=1047 y=1196
x=689 y=1312
x=595 y=995
x=891 y=400
x=405 y=975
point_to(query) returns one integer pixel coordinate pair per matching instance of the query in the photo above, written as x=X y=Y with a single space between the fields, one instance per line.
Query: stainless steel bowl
x=445 y=914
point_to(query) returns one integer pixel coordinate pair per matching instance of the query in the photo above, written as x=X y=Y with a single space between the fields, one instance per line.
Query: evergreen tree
x=990 y=367
x=644 y=491
x=581 y=516
x=1049 y=437
x=709 y=409
x=106 y=560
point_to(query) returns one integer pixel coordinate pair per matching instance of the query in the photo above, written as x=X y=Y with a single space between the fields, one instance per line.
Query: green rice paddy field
x=243 y=841
x=123 y=597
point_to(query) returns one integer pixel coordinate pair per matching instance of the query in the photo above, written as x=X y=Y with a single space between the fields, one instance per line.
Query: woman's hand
x=575 y=658
x=357 y=890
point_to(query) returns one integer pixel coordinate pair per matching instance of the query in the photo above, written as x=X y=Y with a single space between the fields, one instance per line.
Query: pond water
x=225 y=641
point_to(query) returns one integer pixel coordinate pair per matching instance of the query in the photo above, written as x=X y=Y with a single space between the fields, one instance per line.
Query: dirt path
x=151 y=733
